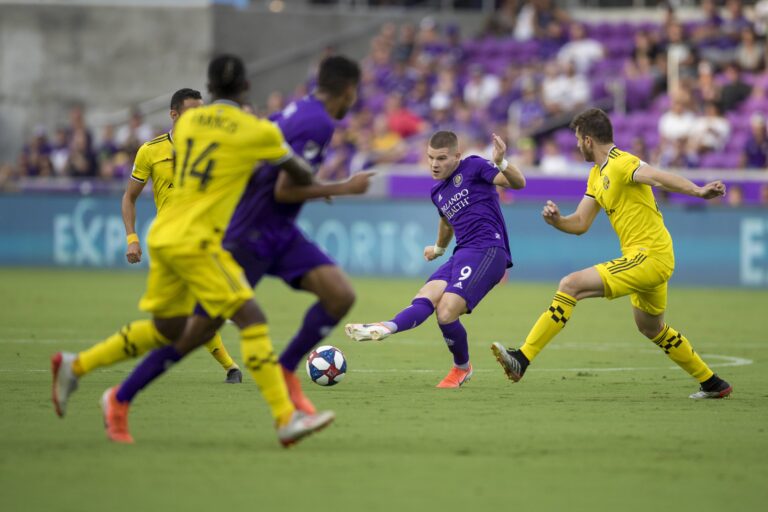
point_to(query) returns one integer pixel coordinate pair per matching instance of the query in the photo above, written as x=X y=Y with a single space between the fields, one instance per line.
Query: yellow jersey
x=217 y=148
x=630 y=206
x=154 y=161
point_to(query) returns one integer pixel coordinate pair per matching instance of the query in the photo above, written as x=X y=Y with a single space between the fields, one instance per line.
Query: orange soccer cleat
x=456 y=378
x=299 y=399
x=115 y=417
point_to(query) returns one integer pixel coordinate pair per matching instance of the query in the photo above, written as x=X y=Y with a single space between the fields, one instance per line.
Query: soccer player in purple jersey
x=468 y=204
x=263 y=236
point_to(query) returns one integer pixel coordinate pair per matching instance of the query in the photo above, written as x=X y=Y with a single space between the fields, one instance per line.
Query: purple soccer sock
x=154 y=365
x=414 y=315
x=455 y=337
x=317 y=324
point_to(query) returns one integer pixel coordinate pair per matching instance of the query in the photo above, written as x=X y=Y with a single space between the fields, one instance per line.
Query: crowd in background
x=523 y=78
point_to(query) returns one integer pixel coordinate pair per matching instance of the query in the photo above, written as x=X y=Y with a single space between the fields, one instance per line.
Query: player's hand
x=499 y=149
x=429 y=253
x=711 y=190
x=358 y=183
x=133 y=254
x=551 y=213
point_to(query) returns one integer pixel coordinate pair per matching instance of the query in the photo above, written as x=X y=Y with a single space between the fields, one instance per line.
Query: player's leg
x=421 y=307
x=216 y=348
x=449 y=309
x=579 y=285
x=335 y=298
x=648 y=311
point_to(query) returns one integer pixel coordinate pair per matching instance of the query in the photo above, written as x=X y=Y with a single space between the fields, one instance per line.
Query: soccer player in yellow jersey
x=217 y=148
x=620 y=183
x=154 y=161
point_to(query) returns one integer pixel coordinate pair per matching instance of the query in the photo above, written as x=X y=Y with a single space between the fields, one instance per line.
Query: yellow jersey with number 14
x=217 y=148
x=154 y=161
x=630 y=206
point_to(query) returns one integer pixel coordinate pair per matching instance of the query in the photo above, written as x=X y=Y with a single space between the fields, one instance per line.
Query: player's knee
x=170 y=328
x=569 y=284
x=650 y=329
x=445 y=313
x=339 y=302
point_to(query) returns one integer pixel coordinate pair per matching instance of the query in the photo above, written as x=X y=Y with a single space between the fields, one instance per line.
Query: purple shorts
x=471 y=273
x=289 y=258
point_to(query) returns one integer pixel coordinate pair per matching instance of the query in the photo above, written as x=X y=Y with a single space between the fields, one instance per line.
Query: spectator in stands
x=386 y=143
x=77 y=124
x=564 y=90
x=580 y=51
x=401 y=120
x=710 y=132
x=749 y=55
x=35 y=159
x=755 y=154
x=417 y=99
x=60 y=151
x=81 y=162
x=527 y=115
x=534 y=18
x=481 y=88
x=524 y=154
x=706 y=88
x=760 y=17
x=706 y=33
x=552 y=160
x=734 y=91
x=132 y=135
x=107 y=150
x=735 y=195
x=498 y=108
x=675 y=127
x=406 y=42
x=733 y=22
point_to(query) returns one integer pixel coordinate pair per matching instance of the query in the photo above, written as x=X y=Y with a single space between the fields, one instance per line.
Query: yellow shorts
x=638 y=274
x=179 y=277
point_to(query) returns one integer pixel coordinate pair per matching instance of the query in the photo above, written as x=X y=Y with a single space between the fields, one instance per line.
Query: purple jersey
x=469 y=202
x=308 y=128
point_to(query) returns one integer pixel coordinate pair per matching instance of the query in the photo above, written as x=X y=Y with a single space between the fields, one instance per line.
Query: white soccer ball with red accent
x=326 y=365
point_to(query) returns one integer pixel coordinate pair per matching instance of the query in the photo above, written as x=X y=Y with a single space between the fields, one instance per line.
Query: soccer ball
x=326 y=365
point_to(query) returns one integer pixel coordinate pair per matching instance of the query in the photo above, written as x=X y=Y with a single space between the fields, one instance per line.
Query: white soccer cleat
x=365 y=332
x=64 y=380
x=301 y=425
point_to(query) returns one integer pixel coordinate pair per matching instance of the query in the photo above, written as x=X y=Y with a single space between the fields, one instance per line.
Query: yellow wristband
x=133 y=238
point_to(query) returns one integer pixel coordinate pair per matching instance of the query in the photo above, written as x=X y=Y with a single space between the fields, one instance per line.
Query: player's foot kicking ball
x=301 y=425
x=513 y=361
x=456 y=378
x=64 y=380
x=115 y=417
x=365 y=332
x=234 y=376
x=299 y=399
x=715 y=387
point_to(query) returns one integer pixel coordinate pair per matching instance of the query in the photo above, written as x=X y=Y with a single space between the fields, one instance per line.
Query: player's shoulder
x=475 y=162
x=160 y=145
x=622 y=159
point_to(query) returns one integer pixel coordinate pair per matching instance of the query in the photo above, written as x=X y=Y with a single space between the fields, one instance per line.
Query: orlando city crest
x=606 y=182
x=457 y=180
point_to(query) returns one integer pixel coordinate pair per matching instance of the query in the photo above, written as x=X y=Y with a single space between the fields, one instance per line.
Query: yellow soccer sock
x=679 y=349
x=260 y=359
x=549 y=324
x=219 y=352
x=131 y=340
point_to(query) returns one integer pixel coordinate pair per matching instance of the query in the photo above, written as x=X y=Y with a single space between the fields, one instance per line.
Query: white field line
x=725 y=361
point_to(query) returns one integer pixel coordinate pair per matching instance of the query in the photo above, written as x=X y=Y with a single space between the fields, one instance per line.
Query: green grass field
x=601 y=422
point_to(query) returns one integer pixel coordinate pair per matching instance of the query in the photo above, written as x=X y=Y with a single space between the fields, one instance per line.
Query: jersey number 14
x=201 y=167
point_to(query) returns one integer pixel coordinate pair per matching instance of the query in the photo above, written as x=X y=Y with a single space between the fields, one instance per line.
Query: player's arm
x=297 y=169
x=674 y=183
x=444 y=236
x=286 y=191
x=509 y=175
x=576 y=223
x=132 y=191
